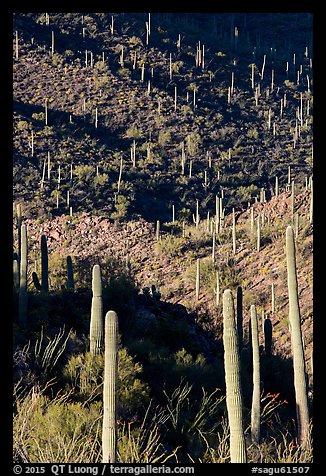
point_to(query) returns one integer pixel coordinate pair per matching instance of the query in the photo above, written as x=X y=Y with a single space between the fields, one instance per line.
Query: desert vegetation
x=163 y=238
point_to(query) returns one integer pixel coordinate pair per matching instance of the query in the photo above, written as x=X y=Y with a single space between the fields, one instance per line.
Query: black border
x=6 y=191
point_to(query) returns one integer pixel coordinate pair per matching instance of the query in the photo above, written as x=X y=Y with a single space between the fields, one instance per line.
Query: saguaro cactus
x=238 y=452
x=296 y=342
x=15 y=270
x=70 y=274
x=234 y=244
x=217 y=289
x=258 y=233
x=197 y=278
x=311 y=208
x=44 y=264
x=239 y=317
x=19 y=224
x=255 y=405
x=22 y=299
x=110 y=388
x=268 y=334
x=96 y=324
x=158 y=235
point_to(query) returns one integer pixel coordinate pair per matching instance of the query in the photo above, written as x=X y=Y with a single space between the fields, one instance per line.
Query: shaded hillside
x=161 y=108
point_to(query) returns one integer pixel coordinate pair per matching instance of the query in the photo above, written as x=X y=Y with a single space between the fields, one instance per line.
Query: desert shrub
x=39 y=362
x=100 y=180
x=141 y=441
x=84 y=375
x=164 y=137
x=133 y=132
x=193 y=142
x=122 y=205
x=246 y=194
x=207 y=274
x=57 y=430
x=193 y=421
x=84 y=173
x=171 y=246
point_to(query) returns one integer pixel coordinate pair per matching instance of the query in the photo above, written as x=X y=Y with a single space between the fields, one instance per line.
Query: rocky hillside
x=169 y=263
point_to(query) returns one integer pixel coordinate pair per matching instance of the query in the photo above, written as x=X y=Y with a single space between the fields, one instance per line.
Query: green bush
x=84 y=376
x=57 y=430
x=171 y=246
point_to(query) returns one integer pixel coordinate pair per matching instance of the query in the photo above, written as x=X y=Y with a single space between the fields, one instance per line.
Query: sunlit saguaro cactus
x=240 y=317
x=110 y=388
x=22 y=298
x=296 y=342
x=255 y=406
x=238 y=452
x=96 y=324
x=197 y=278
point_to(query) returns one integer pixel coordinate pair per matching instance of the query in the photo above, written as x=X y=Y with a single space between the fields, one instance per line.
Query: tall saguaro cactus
x=110 y=388
x=70 y=274
x=268 y=335
x=197 y=278
x=238 y=452
x=239 y=317
x=255 y=405
x=22 y=299
x=96 y=324
x=234 y=244
x=19 y=224
x=44 y=264
x=296 y=342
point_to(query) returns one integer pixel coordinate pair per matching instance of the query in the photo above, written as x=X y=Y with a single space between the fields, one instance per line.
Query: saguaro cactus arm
x=232 y=380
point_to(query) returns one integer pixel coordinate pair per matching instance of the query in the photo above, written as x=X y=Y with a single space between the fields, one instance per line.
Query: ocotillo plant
x=238 y=452
x=96 y=322
x=239 y=317
x=268 y=335
x=255 y=405
x=44 y=264
x=70 y=274
x=22 y=299
x=296 y=342
x=110 y=388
